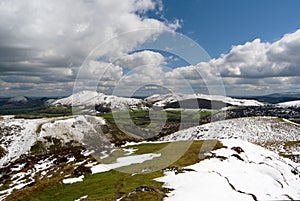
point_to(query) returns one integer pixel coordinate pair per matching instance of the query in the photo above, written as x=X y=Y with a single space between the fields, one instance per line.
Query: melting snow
x=129 y=151
x=81 y=198
x=18 y=135
x=73 y=180
x=124 y=161
x=259 y=174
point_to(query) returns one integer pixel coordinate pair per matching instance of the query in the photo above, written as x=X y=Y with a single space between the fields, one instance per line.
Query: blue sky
x=218 y=24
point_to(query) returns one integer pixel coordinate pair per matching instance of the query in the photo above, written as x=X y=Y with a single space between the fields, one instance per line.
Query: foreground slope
x=242 y=171
x=232 y=170
x=208 y=170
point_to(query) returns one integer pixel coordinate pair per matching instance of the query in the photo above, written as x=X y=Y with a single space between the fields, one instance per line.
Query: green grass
x=140 y=117
x=140 y=121
x=45 y=112
x=99 y=186
x=116 y=183
x=152 y=124
x=175 y=154
x=38 y=148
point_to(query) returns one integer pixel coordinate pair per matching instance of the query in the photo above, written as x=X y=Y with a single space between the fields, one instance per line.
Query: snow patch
x=81 y=198
x=124 y=161
x=73 y=180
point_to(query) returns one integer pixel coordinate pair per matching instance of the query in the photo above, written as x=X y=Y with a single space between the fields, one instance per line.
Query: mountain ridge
x=90 y=98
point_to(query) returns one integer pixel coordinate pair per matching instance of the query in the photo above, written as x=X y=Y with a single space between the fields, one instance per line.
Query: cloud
x=286 y=49
x=38 y=36
x=143 y=58
x=260 y=67
x=43 y=44
x=255 y=68
x=259 y=59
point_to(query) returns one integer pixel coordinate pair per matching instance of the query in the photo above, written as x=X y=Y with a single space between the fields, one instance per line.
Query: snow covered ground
x=162 y=100
x=18 y=135
x=73 y=180
x=92 y=98
x=267 y=131
x=242 y=171
x=75 y=128
x=124 y=161
x=290 y=104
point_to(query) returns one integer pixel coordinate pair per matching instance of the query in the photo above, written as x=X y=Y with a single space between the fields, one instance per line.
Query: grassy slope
x=114 y=184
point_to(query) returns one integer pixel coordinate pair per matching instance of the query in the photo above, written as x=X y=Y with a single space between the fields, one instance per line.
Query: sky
x=217 y=25
x=233 y=47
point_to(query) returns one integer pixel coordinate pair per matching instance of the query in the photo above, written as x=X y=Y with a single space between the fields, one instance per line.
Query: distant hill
x=18 y=100
x=295 y=103
x=92 y=99
x=193 y=101
x=100 y=101
x=275 y=97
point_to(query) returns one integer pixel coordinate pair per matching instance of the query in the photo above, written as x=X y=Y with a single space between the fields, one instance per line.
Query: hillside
x=295 y=103
x=84 y=157
x=242 y=171
x=92 y=99
x=210 y=170
x=22 y=136
x=18 y=100
x=216 y=102
x=192 y=101
x=270 y=132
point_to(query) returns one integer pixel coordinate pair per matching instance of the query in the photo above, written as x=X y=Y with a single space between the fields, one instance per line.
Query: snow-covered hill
x=290 y=104
x=242 y=171
x=18 y=99
x=271 y=132
x=92 y=98
x=163 y=100
x=49 y=101
x=17 y=136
